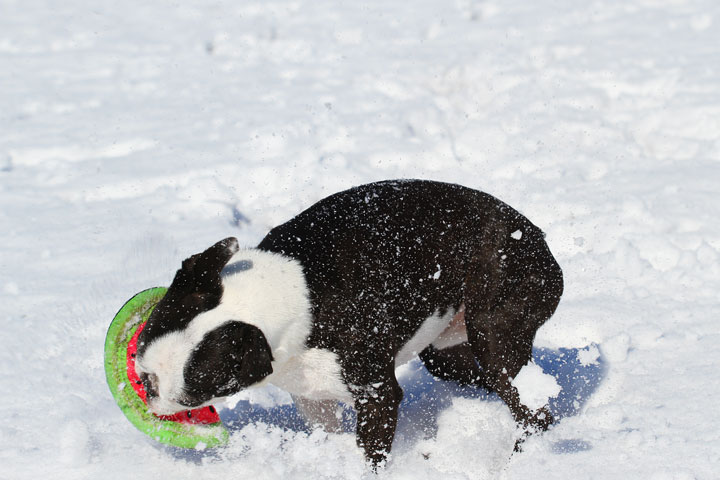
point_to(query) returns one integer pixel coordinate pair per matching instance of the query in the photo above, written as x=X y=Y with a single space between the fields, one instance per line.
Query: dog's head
x=186 y=359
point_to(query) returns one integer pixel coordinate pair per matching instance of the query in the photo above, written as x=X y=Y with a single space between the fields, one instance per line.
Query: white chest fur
x=314 y=374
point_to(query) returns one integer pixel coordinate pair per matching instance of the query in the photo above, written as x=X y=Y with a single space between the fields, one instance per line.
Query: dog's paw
x=541 y=419
x=534 y=421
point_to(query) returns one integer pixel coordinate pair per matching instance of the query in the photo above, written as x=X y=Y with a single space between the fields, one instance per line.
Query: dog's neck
x=266 y=290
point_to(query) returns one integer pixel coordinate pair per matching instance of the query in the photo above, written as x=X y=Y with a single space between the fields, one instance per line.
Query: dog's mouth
x=164 y=410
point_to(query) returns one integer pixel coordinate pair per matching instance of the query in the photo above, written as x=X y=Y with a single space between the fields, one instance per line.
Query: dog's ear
x=203 y=269
x=229 y=358
x=254 y=352
x=196 y=288
x=197 y=285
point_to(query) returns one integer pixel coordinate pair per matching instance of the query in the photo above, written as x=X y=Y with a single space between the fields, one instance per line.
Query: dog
x=331 y=302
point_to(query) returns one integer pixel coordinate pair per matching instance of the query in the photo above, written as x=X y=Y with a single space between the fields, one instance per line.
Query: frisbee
x=198 y=428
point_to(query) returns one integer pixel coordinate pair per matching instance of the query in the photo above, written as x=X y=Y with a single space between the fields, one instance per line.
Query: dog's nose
x=150 y=385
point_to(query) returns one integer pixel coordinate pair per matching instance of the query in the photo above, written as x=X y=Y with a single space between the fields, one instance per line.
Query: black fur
x=371 y=256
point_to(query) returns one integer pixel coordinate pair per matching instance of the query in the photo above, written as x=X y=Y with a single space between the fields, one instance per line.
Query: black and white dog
x=331 y=302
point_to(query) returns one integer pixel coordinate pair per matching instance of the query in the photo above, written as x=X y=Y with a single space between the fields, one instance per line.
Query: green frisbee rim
x=121 y=330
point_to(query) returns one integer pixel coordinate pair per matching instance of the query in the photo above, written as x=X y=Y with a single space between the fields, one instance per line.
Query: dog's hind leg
x=506 y=302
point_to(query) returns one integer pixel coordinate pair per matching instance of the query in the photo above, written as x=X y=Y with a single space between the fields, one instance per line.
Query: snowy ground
x=135 y=133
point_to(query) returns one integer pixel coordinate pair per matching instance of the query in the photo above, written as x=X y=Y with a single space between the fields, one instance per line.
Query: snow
x=536 y=387
x=134 y=134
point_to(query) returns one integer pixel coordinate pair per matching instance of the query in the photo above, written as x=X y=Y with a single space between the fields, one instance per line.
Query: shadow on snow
x=425 y=397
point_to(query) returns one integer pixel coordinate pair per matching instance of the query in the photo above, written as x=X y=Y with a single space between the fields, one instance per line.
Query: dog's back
x=380 y=259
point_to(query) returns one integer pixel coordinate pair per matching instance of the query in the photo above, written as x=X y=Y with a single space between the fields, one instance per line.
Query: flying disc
x=198 y=428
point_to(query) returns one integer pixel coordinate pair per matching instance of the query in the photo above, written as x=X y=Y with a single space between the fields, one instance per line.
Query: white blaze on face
x=535 y=387
x=165 y=358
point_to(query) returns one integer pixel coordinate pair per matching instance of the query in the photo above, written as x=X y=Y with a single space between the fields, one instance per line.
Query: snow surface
x=135 y=133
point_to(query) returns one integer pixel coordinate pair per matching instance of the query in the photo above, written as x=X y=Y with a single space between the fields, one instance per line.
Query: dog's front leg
x=377 y=411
